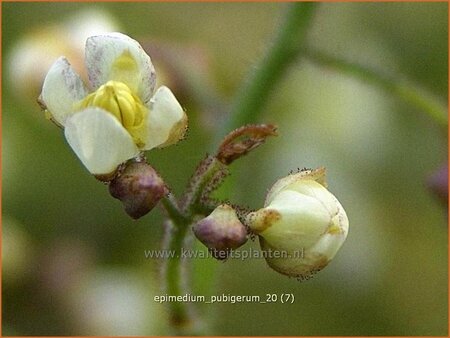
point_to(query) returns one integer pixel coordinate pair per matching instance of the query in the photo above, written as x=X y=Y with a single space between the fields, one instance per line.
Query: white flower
x=302 y=225
x=123 y=115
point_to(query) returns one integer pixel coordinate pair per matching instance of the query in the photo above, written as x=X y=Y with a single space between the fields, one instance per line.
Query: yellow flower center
x=117 y=99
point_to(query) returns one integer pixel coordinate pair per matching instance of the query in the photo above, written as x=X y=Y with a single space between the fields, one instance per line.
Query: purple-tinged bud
x=139 y=187
x=221 y=231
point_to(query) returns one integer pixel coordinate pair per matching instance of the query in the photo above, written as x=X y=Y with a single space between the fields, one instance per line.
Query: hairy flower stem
x=248 y=105
x=207 y=177
x=176 y=274
x=183 y=319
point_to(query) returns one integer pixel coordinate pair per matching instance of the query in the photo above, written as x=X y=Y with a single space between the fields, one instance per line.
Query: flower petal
x=62 y=88
x=302 y=220
x=317 y=175
x=118 y=57
x=329 y=243
x=99 y=140
x=166 y=121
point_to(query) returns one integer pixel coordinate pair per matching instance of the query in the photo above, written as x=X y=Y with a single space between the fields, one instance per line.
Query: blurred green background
x=73 y=262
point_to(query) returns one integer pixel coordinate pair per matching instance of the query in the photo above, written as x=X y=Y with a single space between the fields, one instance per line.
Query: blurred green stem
x=182 y=315
x=179 y=313
x=409 y=93
x=286 y=48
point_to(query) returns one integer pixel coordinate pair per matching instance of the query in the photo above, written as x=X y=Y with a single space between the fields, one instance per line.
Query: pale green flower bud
x=302 y=225
x=221 y=231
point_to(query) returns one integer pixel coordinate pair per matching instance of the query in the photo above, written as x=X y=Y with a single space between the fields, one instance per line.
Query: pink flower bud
x=221 y=231
x=139 y=187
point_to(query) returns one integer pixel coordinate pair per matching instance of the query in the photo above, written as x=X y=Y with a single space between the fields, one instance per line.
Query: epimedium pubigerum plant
x=110 y=124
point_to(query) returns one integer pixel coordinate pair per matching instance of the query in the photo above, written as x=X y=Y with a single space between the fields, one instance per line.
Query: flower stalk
x=176 y=279
x=195 y=204
x=175 y=272
x=211 y=171
x=175 y=275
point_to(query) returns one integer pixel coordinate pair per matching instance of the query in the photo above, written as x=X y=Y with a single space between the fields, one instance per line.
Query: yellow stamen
x=116 y=98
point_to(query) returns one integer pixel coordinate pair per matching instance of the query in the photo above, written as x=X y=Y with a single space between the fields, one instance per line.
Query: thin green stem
x=182 y=318
x=408 y=92
x=285 y=49
x=173 y=210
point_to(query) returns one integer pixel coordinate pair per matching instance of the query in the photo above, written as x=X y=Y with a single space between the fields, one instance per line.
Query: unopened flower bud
x=139 y=187
x=221 y=231
x=301 y=220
